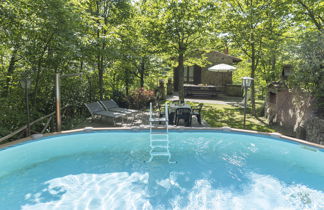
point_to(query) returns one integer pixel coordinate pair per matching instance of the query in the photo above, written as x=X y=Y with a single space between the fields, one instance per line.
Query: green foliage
x=10 y=119
x=169 y=24
x=309 y=65
x=310 y=57
x=179 y=30
x=256 y=27
x=309 y=12
x=119 y=46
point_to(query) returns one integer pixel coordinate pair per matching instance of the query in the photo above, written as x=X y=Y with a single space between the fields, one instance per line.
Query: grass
x=219 y=115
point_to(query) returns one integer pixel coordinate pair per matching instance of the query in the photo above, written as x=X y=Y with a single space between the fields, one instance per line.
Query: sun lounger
x=111 y=105
x=95 y=108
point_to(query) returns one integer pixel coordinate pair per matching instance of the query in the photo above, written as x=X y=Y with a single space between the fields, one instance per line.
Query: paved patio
x=140 y=120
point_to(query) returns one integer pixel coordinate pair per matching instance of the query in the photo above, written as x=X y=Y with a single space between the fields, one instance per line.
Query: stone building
x=197 y=75
x=294 y=110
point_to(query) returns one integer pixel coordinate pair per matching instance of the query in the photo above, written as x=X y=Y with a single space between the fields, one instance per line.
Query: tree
x=134 y=52
x=39 y=38
x=310 y=11
x=108 y=15
x=178 y=29
x=252 y=26
x=309 y=66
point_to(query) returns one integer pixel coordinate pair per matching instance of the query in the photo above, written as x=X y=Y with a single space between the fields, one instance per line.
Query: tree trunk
x=253 y=67
x=181 y=75
x=100 y=76
x=142 y=71
x=100 y=55
x=273 y=62
x=311 y=14
x=142 y=80
x=81 y=65
x=126 y=84
x=176 y=78
x=38 y=75
x=11 y=69
x=39 y=67
x=90 y=88
x=100 y=58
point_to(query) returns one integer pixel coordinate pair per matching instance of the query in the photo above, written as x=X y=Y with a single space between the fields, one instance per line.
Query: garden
x=121 y=50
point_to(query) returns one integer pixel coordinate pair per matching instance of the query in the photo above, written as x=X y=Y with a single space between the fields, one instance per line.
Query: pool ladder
x=159 y=138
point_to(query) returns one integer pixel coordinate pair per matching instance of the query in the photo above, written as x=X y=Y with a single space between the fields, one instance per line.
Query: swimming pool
x=214 y=170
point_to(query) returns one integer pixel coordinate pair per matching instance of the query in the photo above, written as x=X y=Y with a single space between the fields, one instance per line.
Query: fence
x=49 y=120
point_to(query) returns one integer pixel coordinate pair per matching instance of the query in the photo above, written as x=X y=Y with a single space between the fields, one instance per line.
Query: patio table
x=172 y=110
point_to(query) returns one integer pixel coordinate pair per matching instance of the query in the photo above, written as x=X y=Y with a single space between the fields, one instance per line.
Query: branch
x=311 y=15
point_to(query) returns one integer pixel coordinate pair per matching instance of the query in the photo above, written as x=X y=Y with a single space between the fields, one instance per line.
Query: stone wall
x=315 y=130
x=293 y=108
x=216 y=58
x=294 y=111
x=216 y=78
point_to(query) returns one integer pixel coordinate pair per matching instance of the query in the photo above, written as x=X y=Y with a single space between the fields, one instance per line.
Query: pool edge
x=89 y=129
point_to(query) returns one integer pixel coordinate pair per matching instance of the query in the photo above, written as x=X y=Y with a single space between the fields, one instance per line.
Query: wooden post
x=58 y=103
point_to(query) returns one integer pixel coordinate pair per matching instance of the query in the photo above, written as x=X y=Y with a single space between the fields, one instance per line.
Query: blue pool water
x=214 y=170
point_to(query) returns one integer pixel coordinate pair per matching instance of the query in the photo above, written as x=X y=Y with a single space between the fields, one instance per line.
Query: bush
x=140 y=98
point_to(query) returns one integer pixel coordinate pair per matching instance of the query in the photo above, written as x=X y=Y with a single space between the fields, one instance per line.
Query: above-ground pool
x=213 y=170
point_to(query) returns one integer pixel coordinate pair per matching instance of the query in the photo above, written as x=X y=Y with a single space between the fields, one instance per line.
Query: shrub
x=140 y=98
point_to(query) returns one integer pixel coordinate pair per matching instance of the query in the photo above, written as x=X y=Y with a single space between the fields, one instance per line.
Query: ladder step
x=160 y=153
x=159 y=140
x=160 y=143
x=159 y=146
x=159 y=133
